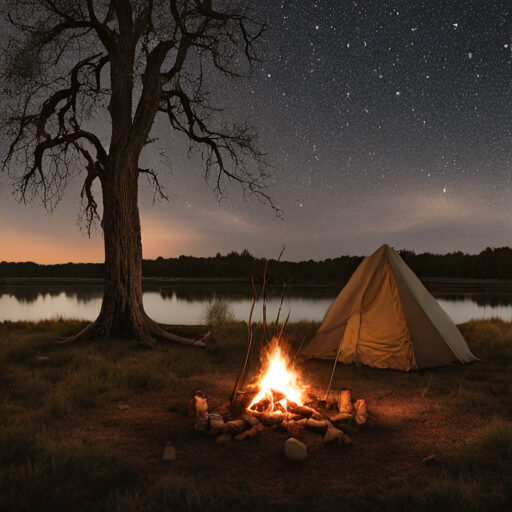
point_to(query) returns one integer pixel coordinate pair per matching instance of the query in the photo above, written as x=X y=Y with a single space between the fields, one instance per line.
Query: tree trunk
x=122 y=312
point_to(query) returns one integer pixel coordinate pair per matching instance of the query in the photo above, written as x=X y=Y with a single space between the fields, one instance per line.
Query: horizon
x=283 y=259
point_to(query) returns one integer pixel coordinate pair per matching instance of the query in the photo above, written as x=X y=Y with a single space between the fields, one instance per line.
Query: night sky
x=386 y=122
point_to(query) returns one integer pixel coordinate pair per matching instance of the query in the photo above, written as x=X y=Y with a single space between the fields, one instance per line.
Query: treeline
x=489 y=264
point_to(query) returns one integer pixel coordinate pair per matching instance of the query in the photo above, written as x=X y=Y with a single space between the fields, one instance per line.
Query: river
x=184 y=304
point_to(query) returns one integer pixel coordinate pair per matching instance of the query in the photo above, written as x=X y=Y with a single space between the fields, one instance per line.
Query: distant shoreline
x=429 y=282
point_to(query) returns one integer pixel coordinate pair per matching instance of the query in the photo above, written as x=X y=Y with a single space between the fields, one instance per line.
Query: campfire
x=279 y=399
x=280 y=387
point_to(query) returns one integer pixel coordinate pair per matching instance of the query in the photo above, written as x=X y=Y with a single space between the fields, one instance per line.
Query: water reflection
x=179 y=304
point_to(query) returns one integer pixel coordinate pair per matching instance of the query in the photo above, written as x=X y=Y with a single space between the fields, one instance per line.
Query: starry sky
x=385 y=121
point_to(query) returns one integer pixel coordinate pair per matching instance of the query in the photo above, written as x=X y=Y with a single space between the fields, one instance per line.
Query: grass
x=42 y=382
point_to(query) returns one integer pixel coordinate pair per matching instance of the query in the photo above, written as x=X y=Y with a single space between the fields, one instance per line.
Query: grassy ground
x=45 y=386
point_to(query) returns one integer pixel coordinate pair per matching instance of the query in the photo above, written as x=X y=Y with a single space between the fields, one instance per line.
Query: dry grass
x=41 y=469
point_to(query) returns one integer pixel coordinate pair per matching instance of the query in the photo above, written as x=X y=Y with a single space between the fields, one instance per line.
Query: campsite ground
x=86 y=429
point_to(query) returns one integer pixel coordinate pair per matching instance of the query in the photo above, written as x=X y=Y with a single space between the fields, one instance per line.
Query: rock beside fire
x=198 y=406
x=345 y=401
x=361 y=414
x=332 y=434
x=333 y=418
x=216 y=422
x=295 y=450
x=202 y=423
x=234 y=427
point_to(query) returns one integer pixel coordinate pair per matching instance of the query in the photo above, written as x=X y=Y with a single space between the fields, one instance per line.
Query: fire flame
x=277 y=378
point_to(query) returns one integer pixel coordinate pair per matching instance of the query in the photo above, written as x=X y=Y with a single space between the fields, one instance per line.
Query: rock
x=234 y=427
x=202 y=423
x=344 y=439
x=200 y=404
x=216 y=421
x=295 y=450
x=361 y=414
x=170 y=452
x=332 y=434
x=345 y=401
x=224 y=439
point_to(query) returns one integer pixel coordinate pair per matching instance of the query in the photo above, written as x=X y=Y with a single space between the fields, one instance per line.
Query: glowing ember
x=278 y=383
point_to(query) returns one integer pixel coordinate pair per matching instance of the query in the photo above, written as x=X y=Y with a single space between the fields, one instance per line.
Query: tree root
x=149 y=333
x=160 y=333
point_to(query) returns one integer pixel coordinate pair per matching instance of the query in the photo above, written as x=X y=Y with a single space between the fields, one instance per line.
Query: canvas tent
x=385 y=317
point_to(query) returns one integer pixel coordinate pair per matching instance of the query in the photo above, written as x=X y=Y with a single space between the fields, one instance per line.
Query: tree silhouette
x=69 y=62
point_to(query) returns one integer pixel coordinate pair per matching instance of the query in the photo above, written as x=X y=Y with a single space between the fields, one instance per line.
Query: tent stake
x=334 y=368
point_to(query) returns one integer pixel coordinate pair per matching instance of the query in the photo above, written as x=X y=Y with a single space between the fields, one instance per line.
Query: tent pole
x=334 y=368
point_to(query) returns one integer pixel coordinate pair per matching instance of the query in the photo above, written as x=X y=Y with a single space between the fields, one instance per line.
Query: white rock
x=295 y=450
x=361 y=414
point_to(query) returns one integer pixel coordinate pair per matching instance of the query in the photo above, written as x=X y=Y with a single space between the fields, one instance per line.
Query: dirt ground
x=407 y=429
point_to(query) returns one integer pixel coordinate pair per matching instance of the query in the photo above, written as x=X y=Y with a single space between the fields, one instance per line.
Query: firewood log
x=307 y=412
x=317 y=416
x=261 y=406
x=250 y=420
x=224 y=438
x=277 y=396
x=269 y=420
x=234 y=427
x=342 y=416
x=302 y=423
x=295 y=450
x=360 y=408
x=251 y=432
x=332 y=434
x=345 y=401
x=316 y=426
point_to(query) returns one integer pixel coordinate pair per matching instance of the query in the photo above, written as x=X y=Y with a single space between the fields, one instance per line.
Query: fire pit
x=279 y=399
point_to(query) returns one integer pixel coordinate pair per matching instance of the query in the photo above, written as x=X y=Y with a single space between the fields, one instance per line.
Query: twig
x=333 y=369
x=280 y=306
x=243 y=368
x=284 y=325
x=297 y=353
x=264 y=296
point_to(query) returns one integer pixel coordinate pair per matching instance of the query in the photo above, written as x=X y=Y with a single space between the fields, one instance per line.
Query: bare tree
x=67 y=59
